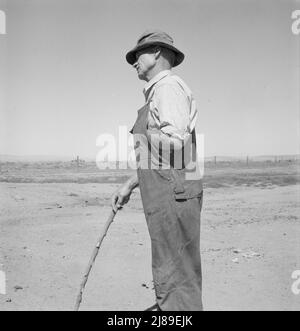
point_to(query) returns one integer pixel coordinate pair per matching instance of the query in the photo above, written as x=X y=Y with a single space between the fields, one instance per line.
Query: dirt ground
x=249 y=245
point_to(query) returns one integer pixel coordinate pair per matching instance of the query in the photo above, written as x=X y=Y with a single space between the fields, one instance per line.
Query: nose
x=135 y=64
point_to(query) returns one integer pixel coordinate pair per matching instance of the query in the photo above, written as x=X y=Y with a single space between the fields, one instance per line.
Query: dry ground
x=52 y=214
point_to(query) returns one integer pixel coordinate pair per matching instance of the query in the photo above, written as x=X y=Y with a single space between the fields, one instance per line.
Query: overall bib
x=172 y=207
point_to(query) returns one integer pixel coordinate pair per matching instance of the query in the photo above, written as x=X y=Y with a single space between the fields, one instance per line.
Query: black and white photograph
x=150 y=157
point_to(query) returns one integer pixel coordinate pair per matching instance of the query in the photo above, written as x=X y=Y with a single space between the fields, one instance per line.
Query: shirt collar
x=154 y=80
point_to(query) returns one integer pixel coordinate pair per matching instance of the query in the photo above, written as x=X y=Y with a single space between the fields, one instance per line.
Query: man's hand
x=122 y=195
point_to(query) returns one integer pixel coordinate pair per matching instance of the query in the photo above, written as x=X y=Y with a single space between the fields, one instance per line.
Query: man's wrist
x=132 y=183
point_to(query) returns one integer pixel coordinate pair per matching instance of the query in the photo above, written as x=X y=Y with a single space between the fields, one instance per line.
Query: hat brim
x=131 y=55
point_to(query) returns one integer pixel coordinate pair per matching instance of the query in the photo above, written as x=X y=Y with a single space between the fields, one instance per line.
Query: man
x=164 y=135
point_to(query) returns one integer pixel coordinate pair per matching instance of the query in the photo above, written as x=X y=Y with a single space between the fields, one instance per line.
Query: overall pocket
x=181 y=188
x=184 y=188
x=174 y=177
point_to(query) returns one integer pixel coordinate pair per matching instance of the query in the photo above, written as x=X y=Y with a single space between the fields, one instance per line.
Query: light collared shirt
x=172 y=106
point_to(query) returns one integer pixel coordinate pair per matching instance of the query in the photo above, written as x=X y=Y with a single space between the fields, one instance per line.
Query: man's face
x=145 y=61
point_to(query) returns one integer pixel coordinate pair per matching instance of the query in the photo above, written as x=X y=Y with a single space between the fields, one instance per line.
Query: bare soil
x=51 y=216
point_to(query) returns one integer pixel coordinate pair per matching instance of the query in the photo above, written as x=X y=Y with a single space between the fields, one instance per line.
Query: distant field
x=222 y=174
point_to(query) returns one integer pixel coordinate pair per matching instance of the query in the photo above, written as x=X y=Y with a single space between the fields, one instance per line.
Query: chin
x=141 y=76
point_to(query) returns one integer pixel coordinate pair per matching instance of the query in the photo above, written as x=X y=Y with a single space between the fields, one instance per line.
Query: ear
x=157 y=51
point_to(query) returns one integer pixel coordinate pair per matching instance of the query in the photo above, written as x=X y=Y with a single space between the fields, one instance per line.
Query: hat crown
x=155 y=35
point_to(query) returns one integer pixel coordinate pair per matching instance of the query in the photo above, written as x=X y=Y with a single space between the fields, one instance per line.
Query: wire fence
x=252 y=159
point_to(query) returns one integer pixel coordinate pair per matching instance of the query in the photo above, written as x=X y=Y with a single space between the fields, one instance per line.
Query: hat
x=154 y=37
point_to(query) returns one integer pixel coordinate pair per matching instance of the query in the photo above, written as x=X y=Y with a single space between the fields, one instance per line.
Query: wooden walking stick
x=93 y=258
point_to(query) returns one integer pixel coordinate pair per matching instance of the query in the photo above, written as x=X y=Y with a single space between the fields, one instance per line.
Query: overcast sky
x=64 y=79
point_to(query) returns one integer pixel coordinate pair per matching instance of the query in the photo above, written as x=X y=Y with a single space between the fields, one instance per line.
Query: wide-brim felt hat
x=151 y=38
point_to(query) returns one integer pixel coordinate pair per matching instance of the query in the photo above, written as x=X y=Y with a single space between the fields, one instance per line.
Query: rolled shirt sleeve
x=173 y=114
x=172 y=107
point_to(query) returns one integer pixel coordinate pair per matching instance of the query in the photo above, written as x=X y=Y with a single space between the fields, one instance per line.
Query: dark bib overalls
x=172 y=208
